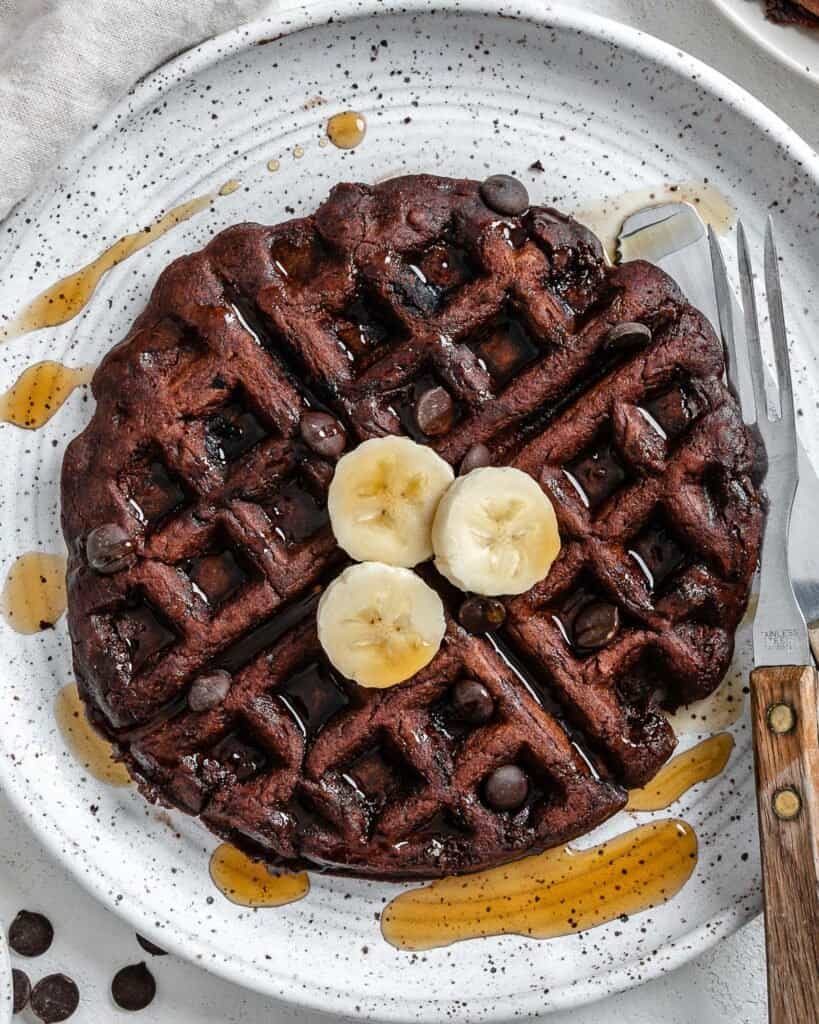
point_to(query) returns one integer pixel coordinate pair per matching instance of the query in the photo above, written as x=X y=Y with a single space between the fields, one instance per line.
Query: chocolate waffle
x=194 y=511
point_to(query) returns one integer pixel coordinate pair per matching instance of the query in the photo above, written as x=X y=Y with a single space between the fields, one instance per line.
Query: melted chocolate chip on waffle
x=195 y=644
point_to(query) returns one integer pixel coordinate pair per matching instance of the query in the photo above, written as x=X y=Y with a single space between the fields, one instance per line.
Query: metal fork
x=784 y=683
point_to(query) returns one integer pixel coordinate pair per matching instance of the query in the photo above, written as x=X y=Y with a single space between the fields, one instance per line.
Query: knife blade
x=674 y=236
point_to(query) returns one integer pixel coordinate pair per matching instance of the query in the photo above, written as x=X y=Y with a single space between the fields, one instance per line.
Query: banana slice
x=382 y=500
x=379 y=624
x=495 y=532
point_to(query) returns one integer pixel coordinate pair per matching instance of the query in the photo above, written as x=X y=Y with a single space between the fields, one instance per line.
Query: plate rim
x=289 y=21
x=781 y=56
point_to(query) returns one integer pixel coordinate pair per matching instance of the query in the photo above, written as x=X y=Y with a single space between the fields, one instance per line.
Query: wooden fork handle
x=784 y=704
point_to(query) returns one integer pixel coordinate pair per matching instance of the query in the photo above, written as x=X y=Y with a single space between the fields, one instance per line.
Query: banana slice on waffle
x=380 y=624
x=382 y=500
x=495 y=532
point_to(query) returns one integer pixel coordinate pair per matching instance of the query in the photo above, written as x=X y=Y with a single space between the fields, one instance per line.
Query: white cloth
x=64 y=62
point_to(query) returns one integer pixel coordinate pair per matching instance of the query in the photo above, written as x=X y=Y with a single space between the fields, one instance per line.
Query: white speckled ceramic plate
x=463 y=91
x=793 y=45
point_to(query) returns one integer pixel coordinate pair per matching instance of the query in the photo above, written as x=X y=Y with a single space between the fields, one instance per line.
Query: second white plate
x=796 y=47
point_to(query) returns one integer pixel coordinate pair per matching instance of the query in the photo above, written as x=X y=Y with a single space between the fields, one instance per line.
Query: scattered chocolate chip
x=627 y=336
x=471 y=701
x=54 y=998
x=505 y=195
x=134 y=987
x=209 y=690
x=323 y=433
x=434 y=411
x=22 y=990
x=477 y=457
x=506 y=788
x=537 y=166
x=109 y=548
x=30 y=934
x=596 y=625
x=481 y=614
x=149 y=946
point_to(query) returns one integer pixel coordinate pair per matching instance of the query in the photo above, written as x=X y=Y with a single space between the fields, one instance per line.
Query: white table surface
x=724 y=986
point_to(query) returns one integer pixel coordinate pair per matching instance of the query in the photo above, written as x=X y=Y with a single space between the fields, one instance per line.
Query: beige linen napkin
x=64 y=62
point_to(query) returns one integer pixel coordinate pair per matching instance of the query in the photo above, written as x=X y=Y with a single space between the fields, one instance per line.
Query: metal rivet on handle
x=781 y=719
x=787 y=803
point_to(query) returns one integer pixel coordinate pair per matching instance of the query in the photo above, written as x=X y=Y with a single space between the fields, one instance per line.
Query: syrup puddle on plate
x=34 y=595
x=347 y=129
x=700 y=763
x=90 y=748
x=559 y=892
x=40 y=391
x=250 y=883
x=605 y=216
x=69 y=296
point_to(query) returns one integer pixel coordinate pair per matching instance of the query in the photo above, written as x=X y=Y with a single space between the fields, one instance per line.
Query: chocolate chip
x=471 y=701
x=54 y=998
x=149 y=947
x=434 y=411
x=30 y=934
x=134 y=987
x=323 y=433
x=505 y=195
x=596 y=625
x=482 y=614
x=209 y=690
x=627 y=336
x=477 y=457
x=506 y=788
x=109 y=548
x=22 y=990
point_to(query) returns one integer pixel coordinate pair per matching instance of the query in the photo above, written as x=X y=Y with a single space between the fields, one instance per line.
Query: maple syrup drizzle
x=90 y=748
x=700 y=763
x=40 y=391
x=250 y=883
x=69 y=296
x=347 y=129
x=605 y=217
x=34 y=595
x=559 y=892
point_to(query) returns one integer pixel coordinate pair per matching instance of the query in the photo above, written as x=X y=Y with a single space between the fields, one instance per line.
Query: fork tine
x=773 y=288
x=757 y=368
x=722 y=289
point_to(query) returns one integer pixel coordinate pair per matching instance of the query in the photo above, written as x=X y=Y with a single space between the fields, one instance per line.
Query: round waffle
x=199 y=496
